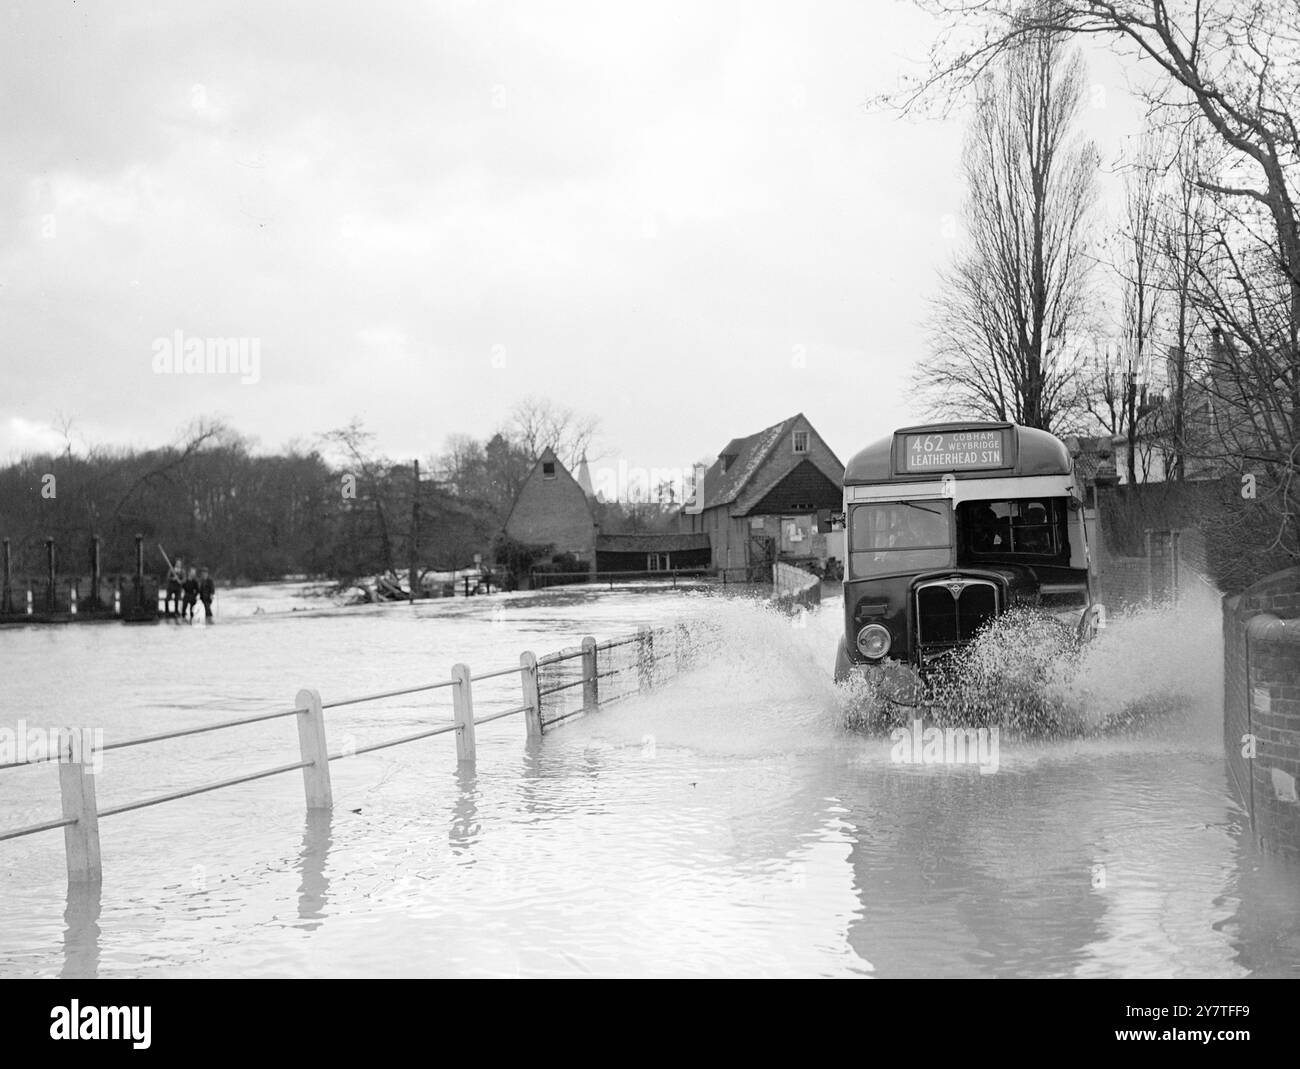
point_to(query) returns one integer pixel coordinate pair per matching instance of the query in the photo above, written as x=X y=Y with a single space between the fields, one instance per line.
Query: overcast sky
x=680 y=217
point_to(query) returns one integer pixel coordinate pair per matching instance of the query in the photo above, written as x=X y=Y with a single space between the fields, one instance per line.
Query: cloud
x=19 y=437
x=624 y=207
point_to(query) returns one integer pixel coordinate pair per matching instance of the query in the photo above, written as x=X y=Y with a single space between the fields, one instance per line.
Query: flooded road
x=725 y=824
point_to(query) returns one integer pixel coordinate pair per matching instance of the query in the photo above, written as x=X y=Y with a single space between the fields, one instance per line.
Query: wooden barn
x=769 y=497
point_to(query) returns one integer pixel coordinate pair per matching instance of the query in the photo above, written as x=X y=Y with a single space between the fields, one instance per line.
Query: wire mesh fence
x=583 y=678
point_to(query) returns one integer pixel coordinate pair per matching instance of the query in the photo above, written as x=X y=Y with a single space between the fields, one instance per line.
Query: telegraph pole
x=413 y=576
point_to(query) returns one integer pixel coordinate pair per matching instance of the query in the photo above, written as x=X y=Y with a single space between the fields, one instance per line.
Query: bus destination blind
x=953 y=451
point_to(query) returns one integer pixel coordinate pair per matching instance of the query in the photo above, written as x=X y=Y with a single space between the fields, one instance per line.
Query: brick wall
x=1261 y=696
x=1123 y=582
x=1174 y=563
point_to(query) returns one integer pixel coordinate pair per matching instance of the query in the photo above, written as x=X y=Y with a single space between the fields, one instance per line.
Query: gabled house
x=554 y=509
x=768 y=497
x=551 y=508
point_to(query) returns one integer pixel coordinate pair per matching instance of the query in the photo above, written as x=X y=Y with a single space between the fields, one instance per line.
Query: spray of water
x=1028 y=673
x=1157 y=663
x=760 y=681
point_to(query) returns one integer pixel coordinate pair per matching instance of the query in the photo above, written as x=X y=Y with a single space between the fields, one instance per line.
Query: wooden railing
x=81 y=815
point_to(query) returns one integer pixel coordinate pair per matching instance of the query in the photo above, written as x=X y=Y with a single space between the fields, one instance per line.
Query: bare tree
x=1227 y=71
x=1184 y=225
x=462 y=465
x=1104 y=386
x=371 y=472
x=193 y=439
x=537 y=423
x=1003 y=327
x=1138 y=267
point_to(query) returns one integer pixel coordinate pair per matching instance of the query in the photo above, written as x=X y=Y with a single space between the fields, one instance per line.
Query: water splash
x=1027 y=673
x=1152 y=662
x=761 y=681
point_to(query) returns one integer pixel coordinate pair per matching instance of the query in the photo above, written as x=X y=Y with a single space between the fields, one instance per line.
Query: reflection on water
x=465 y=827
x=314 y=891
x=724 y=825
x=81 y=934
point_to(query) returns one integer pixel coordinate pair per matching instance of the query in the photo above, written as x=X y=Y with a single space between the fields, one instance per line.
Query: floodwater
x=725 y=824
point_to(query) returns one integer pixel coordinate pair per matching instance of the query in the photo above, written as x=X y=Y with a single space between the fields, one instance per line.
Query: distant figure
x=206 y=590
x=174 y=575
x=191 y=589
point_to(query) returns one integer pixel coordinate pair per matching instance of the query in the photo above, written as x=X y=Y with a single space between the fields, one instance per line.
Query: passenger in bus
x=984 y=536
x=1035 y=537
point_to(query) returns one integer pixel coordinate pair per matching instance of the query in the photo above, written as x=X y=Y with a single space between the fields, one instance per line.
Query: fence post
x=139 y=571
x=645 y=661
x=311 y=745
x=1174 y=551
x=590 y=683
x=532 y=694
x=80 y=840
x=1150 y=567
x=49 y=579
x=95 y=574
x=463 y=701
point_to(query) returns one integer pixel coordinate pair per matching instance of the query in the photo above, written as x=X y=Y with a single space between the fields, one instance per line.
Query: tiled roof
x=668 y=542
x=722 y=487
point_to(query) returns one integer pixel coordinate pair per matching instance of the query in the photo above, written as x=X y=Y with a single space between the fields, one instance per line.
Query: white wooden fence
x=548 y=694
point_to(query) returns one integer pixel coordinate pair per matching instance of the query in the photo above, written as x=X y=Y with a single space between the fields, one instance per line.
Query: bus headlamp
x=874 y=641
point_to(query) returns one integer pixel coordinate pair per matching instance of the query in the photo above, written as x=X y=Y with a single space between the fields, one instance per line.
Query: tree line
x=336 y=508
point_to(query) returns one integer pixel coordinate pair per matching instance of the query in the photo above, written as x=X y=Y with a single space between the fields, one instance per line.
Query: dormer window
x=728 y=459
x=801 y=441
x=548 y=469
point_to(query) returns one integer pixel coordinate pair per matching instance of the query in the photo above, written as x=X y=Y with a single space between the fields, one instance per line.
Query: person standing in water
x=206 y=589
x=172 y=604
x=191 y=589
